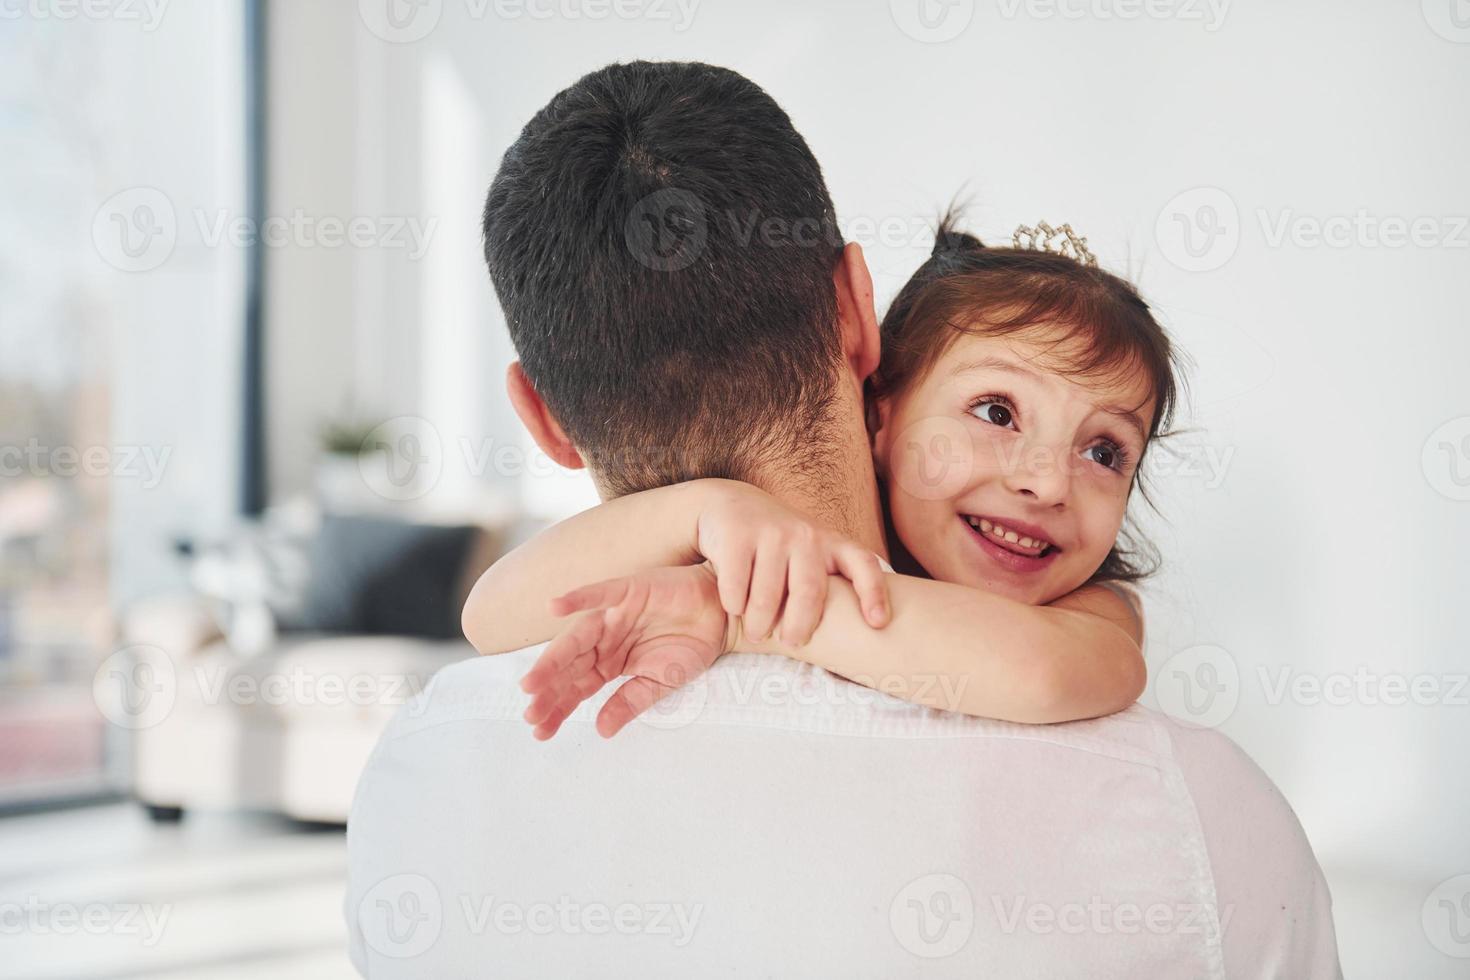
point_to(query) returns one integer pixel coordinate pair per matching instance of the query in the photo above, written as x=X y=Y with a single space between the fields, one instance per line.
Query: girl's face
x=1006 y=475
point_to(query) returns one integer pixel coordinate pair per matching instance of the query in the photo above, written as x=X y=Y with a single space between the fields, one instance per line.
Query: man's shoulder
x=761 y=691
x=1141 y=806
x=1203 y=770
x=486 y=687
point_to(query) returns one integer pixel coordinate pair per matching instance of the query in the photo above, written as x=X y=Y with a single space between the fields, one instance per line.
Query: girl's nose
x=1041 y=474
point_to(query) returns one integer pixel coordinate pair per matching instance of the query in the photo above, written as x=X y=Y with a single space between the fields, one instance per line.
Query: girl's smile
x=1037 y=465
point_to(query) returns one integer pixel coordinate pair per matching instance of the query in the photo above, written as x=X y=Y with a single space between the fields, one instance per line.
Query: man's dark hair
x=663 y=243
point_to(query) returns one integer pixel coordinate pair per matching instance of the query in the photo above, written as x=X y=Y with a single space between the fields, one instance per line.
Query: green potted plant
x=340 y=485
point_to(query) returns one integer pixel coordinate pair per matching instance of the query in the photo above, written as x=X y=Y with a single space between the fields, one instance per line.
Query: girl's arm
x=760 y=546
x=506 y=609
x=947 y=646
x=961 y=649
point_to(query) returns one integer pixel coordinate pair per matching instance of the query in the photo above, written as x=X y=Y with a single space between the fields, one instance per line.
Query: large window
x=54 y=425
x=119 y=363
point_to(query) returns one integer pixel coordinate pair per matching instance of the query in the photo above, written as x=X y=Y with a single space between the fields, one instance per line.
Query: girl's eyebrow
x=993 y=363
x=1129 y=416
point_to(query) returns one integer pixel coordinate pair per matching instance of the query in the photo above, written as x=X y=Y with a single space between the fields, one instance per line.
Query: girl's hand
x=663 y=627
x=764 y=553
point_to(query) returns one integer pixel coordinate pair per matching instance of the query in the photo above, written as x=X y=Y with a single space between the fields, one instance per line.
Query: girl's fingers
x=767 y=589
x=559 y=713
x=542 y=711
x=567 y=672
x=544 y=728
x=598 y=595
x=551 y=708
x=860 y=567
x=575 y=641
x=544 y=706
x=627 y=703
x=546 y=701
x=548 y=728
x=806 y=596
x=732 y=578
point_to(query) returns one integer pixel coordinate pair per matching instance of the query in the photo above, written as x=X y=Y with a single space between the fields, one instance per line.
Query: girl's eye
x=996 y=410
x=1109 y=454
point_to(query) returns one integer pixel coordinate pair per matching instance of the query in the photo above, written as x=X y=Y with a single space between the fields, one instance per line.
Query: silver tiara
x=1043 y=238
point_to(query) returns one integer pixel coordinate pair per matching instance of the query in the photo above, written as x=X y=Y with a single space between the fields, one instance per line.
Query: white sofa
x=288 y=730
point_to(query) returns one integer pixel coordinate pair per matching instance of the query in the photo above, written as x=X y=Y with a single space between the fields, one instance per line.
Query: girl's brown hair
x=1109 y=333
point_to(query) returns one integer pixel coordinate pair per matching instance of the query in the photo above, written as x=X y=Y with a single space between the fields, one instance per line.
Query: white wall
x=1323 y=544
x=400 y=330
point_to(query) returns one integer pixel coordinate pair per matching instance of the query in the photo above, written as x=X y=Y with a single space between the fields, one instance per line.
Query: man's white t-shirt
x=773 y=819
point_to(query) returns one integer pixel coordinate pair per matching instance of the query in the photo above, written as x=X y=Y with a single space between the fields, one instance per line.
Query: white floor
x=103 y=893
x=100 y=892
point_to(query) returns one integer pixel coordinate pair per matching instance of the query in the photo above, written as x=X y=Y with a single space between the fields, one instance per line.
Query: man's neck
x=842 y=495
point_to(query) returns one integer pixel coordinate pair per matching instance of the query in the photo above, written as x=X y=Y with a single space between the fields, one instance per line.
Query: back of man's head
x=663 y=244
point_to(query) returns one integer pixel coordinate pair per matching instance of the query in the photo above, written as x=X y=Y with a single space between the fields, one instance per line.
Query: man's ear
x=857 y=321
x=877 y=413
x=534 y=414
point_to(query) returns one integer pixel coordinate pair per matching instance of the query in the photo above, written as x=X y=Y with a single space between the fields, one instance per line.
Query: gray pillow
x=380 y=575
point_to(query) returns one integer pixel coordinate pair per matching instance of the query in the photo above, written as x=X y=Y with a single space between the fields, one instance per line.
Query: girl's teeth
x=995 y=530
